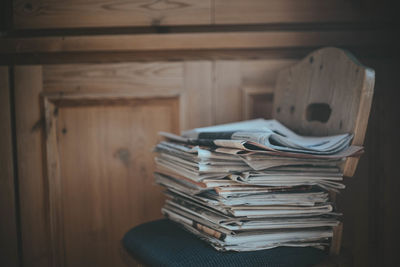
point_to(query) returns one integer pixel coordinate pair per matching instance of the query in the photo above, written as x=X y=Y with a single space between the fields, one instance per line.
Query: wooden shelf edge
x=194 y=41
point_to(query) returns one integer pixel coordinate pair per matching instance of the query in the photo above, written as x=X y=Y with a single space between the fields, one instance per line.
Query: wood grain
x=197 y=41
x=145 y=79
x=257 y=102
x=196 y=98
x=227 y=91
x=232 y=76
x=32 y=14
x=101 y=124
x=286 y=11
x=8 y=226
x=46 y=14
x=369 y=201
x=54 y=183
x=106 y=183
x=336 y=240
x=32 y=184
x=333 y=77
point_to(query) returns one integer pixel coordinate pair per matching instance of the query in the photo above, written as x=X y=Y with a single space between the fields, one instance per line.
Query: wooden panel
x=232 y=77
x=198 y=41
x=8 y=226
x=227 y=91
x=286 y=11
x=105 y=173
x=197 y=99
x=263 y=73
x=32 y=186
x=150 y=79
x=257 y=102
x=34 y=14
x=101 y=124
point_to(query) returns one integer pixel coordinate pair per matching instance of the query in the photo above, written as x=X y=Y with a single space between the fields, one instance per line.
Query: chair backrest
x=328 y=92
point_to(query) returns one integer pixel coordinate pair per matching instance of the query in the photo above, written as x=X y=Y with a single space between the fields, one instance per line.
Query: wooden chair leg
x=336 y=240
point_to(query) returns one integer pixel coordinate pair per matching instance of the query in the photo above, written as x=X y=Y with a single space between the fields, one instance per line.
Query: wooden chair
x=328 y=92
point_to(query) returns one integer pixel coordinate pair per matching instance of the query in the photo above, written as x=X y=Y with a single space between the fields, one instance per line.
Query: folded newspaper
x=253 y=185
x=268 y=135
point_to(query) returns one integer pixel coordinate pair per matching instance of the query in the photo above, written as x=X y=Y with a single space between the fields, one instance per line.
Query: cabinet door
x=85 y=136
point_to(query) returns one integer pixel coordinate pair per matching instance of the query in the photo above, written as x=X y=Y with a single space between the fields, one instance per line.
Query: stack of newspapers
x=253 y=185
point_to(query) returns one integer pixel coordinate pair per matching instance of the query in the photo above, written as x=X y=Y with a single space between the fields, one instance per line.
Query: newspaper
x=272 y=135
x=253 y=240
x=217 y=220
x=253 y=185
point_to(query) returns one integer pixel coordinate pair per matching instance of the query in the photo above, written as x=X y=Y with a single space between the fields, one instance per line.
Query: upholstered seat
x=164 y=243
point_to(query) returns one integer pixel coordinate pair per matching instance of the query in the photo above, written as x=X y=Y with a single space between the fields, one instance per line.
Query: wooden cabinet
x=81 y=108
x=45 y=14
x=85 y=134
x=34 y=14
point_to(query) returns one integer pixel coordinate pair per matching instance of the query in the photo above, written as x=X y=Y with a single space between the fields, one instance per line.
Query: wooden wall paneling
x=287 y=11
x=33 y=188
x=258 y=80
x=155 y=78
x=257 y=102
x=52 y=164
x=227 y=91
x=34 y=14
x=236 y=82
x=106 y=184
x=102 y=141
x=261 y=73
x=197 y=99
x=220 y=41
x=8 y=226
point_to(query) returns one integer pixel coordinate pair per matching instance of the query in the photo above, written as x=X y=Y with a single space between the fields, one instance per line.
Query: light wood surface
x=107 y=187
x=89 y=133
x=54 y=183
x=144 y=79
x=232 y=77
x=287 y=11
x=33 y=191
x=332 y=77
x=98 y=13
x=195 y=41
x=47 y=14
x=290 y=32
x=101 y=124
x=8 y=226
x=368 y=202
x=257 y=102
x=336 y=240
x=197 y=107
